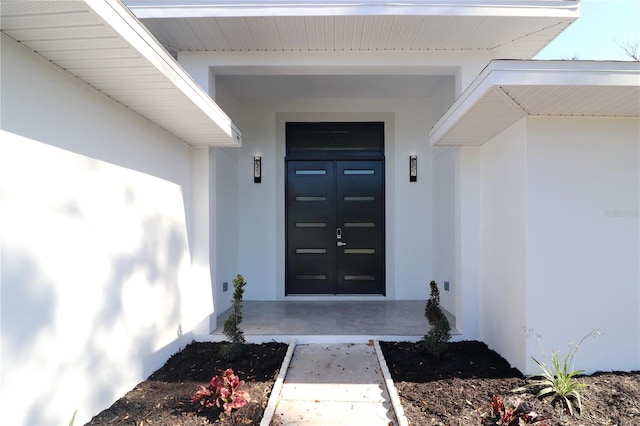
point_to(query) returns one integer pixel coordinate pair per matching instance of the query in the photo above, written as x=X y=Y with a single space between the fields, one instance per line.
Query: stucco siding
x=583 y=238
x=95 y=263
x=444 y=224
x=503 y=243
x=225 y=199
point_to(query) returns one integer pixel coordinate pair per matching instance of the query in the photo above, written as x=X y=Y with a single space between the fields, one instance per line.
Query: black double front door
x=335 y=227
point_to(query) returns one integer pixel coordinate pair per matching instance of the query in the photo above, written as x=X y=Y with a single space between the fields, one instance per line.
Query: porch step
x=338 y=384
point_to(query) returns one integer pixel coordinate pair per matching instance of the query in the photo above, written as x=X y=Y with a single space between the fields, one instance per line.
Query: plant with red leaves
x=223 y=392
x=512 y=413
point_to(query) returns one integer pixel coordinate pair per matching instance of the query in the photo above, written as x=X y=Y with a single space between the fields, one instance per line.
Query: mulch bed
x=456 y=389
x=453 y=390
x=165 y=397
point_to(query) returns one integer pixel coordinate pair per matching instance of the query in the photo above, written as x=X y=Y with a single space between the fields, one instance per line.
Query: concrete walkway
x=336 y=384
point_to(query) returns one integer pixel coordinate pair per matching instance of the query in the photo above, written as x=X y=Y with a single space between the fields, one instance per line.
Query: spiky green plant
x=559 y=379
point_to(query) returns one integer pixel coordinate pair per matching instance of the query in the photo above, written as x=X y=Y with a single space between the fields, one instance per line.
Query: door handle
x=340 y=244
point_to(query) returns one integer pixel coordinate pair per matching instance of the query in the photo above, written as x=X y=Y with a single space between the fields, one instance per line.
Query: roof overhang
x=512 y=28
x=240 y=8
x=101 y=43
x=506 y=91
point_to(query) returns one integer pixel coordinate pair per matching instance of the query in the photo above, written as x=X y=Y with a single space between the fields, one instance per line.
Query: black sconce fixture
x=257 y=169
x=413 y=168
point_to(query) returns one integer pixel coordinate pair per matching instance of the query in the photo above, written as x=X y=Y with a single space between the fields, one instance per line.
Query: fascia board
x=465 y=102
x=130 y=29
x=566 y=73
x=212 y=8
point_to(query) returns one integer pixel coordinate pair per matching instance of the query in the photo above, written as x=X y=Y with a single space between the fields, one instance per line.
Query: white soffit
x=101 y=43
x=507 y=91
x=513 y=28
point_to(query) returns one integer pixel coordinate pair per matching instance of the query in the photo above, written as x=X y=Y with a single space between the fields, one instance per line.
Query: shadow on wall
x=94 y=269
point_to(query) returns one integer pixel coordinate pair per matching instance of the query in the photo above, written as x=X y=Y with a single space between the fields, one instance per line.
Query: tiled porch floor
x=333 y=320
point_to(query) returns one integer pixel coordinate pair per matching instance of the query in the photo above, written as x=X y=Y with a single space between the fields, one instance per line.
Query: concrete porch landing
x=331 y=321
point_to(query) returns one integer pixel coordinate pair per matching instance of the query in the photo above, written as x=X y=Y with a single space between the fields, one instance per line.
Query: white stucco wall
x=560 y=241
x=467 y=241
x=583 y=238
x=444 y=223
x=503 y=291
x=224 y=260
x=456 y=180
x=97 y=284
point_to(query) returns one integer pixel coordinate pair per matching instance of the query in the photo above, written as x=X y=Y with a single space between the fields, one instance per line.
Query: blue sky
x=593 y=36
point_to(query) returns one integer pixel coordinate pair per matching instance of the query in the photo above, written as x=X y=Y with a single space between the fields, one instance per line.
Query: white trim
x=125 y=24
x=467 y=100
x=391 y=389
x=212 y=8
x=270 y=410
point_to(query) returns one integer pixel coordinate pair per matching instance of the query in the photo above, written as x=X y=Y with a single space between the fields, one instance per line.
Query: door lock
x=340 y=244
x=339 y=234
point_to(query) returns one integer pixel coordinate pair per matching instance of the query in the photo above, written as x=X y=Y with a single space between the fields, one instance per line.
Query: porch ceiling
x=509 y=90
x=105 y=46
x=513 y=28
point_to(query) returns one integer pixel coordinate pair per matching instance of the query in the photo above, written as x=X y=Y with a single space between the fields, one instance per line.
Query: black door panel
x=335 y=227
x=360 y=216
x=310 y=227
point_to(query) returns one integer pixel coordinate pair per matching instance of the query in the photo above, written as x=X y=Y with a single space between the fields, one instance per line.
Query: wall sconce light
x=257 y=169
x=413 y=168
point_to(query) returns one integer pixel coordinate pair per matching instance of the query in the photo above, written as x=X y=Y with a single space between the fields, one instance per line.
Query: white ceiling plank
x=53 y=20
x=76 y=44
x=61 y=33
x=339 y=23
x=519 y=37
x=349 y=35
x=329 y=34
x=200 y=32
x=260 y=34
x=97 y=53
x=89 y=63
x=311 y=30
x=283 y=33
x=519 y=28
x=89 y=73
x=301 y=34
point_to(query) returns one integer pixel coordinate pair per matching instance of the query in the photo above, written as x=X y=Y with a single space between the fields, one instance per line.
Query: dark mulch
x=453 y=390
x=165 y=397
x=457 y=388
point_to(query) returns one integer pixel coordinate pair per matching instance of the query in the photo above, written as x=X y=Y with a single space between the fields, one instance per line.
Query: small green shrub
x=435 y=341
x=232 y=328
x=559 y=379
